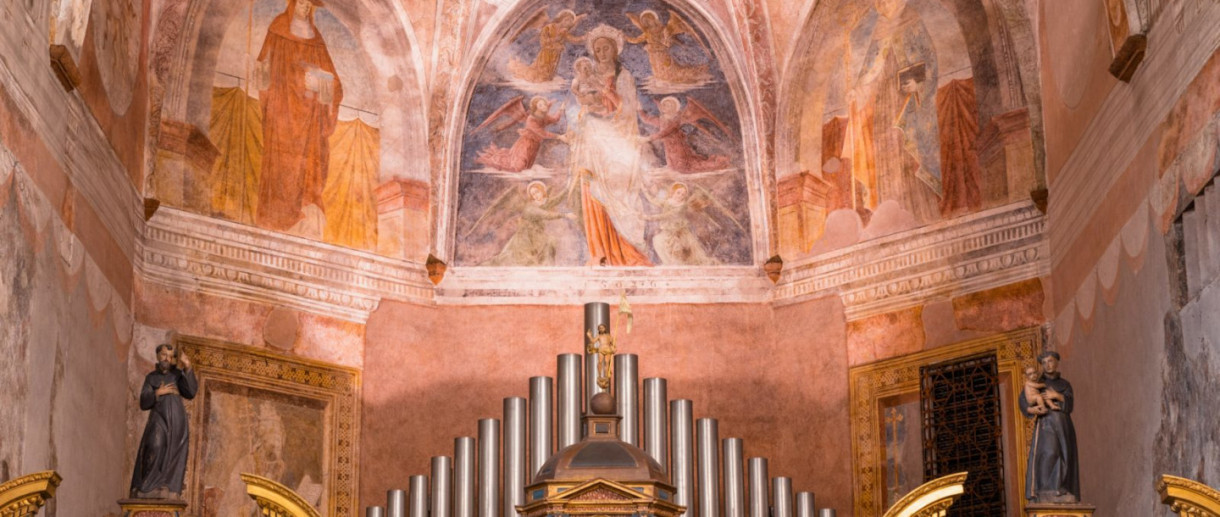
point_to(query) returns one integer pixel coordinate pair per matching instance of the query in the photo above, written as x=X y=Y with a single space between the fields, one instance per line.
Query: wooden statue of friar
x=1053 y=472
x=161 y=459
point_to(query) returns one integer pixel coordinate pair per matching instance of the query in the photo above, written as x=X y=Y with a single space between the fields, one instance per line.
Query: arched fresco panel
x=602 y=135
x=298 y=119
x=908 y=112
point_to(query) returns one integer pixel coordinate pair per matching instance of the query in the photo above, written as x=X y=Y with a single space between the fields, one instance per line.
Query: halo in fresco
x=603 y=136
x=116 y=40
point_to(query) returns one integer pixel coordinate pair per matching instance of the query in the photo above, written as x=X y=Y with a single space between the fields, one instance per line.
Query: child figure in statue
x=603 y=345
x=1036 y=394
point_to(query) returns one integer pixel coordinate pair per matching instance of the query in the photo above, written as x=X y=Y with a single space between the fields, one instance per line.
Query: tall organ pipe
x=596 y=313
x=707 y=458
x=417 y=496
x=396 y=503
x=442 y=486
x=540 y=423
x=627 y=395
x=734 y=478
x=464 y=477
x=514 y=455
x=759 y=505
x=489 y=468
x=655 y=438
x=567 y=421
x=781 y=496
x=804 y=505
x=682 y=464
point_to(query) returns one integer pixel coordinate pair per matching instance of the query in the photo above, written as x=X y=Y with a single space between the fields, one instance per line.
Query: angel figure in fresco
x=679 y=154
x=658 y=41
x=553 y=36
x=530 y=244
x=300 y=94
x=675 y=241
x=521 y=155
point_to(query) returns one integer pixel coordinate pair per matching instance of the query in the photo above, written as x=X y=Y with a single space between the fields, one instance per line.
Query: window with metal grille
x=960 y=407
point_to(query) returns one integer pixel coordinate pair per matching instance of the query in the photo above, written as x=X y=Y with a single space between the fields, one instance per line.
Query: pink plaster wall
x=775 y=377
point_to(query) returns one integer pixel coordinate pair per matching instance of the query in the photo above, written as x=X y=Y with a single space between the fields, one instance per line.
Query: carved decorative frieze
x=970 y=254
x=227 y=259
x=579 y=284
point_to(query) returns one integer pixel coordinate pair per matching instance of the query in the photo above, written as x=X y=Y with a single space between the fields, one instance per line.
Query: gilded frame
x=334 y=387
x=873 y=382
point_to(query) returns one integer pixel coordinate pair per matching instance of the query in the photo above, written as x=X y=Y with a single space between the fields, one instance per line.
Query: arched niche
x=208 y=85
x=897 y=114
x=489 y=215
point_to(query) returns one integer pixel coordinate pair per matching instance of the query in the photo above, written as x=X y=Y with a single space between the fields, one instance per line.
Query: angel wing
x=508 y=203
x=702 y=200
x=635 y=19
x=514 y=110
x=695 y=112
x=536 y=21
x=676 y=25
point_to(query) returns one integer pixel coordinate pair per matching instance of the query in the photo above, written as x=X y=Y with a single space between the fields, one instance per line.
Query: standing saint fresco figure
x=605 y=157
x=300 y=95
x=1053 y=472
x=161 y=458
x=891 y=96
x=554 y=34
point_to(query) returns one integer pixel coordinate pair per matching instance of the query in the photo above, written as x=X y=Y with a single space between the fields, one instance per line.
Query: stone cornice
x=65 y=125
x=231 y=260
x=969 y=254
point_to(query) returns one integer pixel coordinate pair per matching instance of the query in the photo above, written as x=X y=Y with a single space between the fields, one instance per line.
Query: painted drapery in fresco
x=633 y=137
x=237 y=130
x=349 y=197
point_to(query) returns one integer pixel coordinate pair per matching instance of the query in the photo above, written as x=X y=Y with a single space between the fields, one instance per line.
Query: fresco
x=915 y=111
x=116 y=38
x=294 y=121
x=269 y=434
x=603 y=136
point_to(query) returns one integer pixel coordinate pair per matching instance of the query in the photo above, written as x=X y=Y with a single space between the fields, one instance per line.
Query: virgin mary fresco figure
x=300 y=98
x=606 y=158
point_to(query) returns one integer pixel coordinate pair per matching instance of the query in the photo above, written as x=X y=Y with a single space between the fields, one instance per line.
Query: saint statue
x=161 y=458
x=300 y=94
x=602 y=344
x=1053 y=473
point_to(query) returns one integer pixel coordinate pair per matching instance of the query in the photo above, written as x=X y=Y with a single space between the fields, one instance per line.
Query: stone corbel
x=64 y=67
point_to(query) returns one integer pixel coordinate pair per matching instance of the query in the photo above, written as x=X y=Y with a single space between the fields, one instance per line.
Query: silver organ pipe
x=759 y=506
x=514 y=455
x=464 y=477
x=442 y=486
x=711 y=476
x=489 y=468
x=655 y=438
x=682 y=463
x=734 y=478
x=417 y=497
x=396 y=503
x=627 y=396
x=804 y=504
x=707 y=460
x=540 y=423
x=568 y=401
x=781 y=497
x=596 y=313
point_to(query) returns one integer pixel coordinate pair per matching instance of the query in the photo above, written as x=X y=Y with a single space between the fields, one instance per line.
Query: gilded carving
x=1187 y=497
x=871 y=383
x=23 y=496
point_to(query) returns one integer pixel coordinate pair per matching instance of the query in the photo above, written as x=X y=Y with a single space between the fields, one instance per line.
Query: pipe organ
x=488 y=476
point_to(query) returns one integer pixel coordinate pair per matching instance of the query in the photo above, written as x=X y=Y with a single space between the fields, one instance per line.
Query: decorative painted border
x=336 y=386
x=213 y=256
x=969 y=254
x=871 y=383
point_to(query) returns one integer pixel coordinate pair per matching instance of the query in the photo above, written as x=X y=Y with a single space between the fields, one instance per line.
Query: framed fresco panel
x=887 y=450
x=289 y=419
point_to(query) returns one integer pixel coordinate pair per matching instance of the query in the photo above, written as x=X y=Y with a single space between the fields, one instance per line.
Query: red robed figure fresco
x=300 y=99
